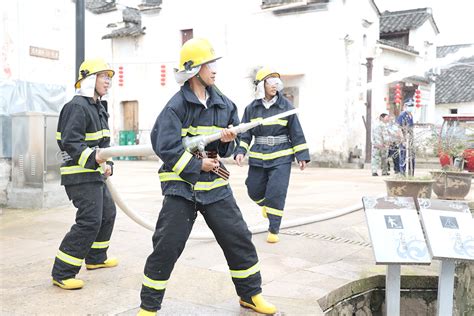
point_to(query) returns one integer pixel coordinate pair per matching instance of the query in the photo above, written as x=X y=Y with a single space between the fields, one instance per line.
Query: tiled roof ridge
x=404 y=12
x=456 y=45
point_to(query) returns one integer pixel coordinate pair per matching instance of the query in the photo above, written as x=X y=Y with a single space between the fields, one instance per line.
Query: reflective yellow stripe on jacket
x=200 y=130
x=270 y=156
x=244 y=145
x=78 y=169
x=84 y=156
x=300 y=147
x=277 y=154
x=182 y=162
x=275 y=122
x=242 y=274
x=199 y=186
x=90 y=136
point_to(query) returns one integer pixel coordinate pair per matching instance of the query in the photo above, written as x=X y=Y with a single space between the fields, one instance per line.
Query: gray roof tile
x=407 y=48
x=403 y=21
x=455 y=84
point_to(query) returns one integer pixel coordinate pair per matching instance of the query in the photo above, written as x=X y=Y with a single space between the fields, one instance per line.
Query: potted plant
x=413 y=140
x=454 y=146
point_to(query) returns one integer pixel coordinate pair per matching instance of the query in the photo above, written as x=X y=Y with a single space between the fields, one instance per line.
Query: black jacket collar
x=214 y=97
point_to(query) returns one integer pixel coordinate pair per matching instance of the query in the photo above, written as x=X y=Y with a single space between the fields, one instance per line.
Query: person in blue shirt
x=407 y=152
x=276 y=145
x=191 y=184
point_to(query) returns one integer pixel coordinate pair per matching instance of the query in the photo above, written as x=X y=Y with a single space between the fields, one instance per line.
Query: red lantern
x=398 y=94
x=163 y=75
x=417 y=98
x=120 y=76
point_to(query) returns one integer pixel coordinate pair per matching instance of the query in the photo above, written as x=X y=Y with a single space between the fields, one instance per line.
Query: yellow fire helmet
x=263 y=73
x=196 y=52
x=91 y=67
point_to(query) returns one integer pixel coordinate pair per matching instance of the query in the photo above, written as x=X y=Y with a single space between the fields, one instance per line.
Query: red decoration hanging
x=120 y=76
x=417 y=98
x=163 y=75
x=398 y=94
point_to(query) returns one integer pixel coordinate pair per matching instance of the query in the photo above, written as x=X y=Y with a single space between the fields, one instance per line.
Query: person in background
x=276 y=145
x=192 y=183
x=82 y=130
x=395 y=137
x=407 y=152
x=380 y=145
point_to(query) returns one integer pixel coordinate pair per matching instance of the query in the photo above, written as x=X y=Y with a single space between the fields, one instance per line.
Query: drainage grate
x=326 y=237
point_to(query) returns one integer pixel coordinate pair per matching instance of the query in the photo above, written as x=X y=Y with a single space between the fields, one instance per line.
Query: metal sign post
x=446 y=287
x=392 y=289
x=397 y=238
x=449 y=229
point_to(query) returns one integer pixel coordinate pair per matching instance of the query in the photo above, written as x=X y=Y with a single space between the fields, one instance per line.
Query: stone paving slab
x=310 y=261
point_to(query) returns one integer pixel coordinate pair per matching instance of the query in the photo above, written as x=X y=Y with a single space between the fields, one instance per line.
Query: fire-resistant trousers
x=268 y=187
x=172 y=230
x=89 y=237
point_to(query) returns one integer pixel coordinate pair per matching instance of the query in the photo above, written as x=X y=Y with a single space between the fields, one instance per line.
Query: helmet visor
x=212 y=66
x=276 y=82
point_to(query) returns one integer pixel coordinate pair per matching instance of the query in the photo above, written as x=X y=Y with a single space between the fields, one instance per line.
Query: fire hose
x=197 y=144
x=146 y=150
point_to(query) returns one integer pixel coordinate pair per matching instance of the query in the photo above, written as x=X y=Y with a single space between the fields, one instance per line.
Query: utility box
x=34 y=150
x=35 y=161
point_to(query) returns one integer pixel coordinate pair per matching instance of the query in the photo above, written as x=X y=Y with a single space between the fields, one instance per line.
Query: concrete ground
x=309 y=262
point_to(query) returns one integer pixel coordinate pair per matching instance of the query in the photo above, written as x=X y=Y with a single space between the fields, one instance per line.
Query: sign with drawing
x=397 y=237
x=450 y=234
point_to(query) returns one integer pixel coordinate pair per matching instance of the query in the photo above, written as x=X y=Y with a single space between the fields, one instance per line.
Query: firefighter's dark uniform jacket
x=185 y=115
x=188 y=190
x=261 y=155
x=82 y=127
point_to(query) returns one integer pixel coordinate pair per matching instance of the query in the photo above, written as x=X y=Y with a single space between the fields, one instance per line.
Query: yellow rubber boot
x=109 y=263
x=143 y=312
x=69 y=284
x=272 y=238
x=260 y=305
x=264 y=212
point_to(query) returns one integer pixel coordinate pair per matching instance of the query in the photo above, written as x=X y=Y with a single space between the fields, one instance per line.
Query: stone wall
x=366 y=297
x=464 y=289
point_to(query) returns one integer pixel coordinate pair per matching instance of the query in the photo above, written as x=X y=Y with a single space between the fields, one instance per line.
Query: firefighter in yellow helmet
x=275 y=146
x=191 y=184
x=82 y=129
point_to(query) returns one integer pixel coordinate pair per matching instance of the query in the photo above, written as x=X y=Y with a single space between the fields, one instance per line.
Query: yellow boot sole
x=109 y=263
x=69 y=284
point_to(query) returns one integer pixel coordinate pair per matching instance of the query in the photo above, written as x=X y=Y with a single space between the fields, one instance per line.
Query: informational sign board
x=450 y=234
x=396 y=234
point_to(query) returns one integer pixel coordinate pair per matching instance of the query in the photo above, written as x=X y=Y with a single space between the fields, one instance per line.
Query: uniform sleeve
x=297 y=138
x=73 y=130
x=167 y=144
x=246 y=137
x=226 y=149
x=377 y=135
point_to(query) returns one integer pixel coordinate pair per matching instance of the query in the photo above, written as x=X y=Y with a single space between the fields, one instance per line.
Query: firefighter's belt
x=221 y=172
x=271 y=140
